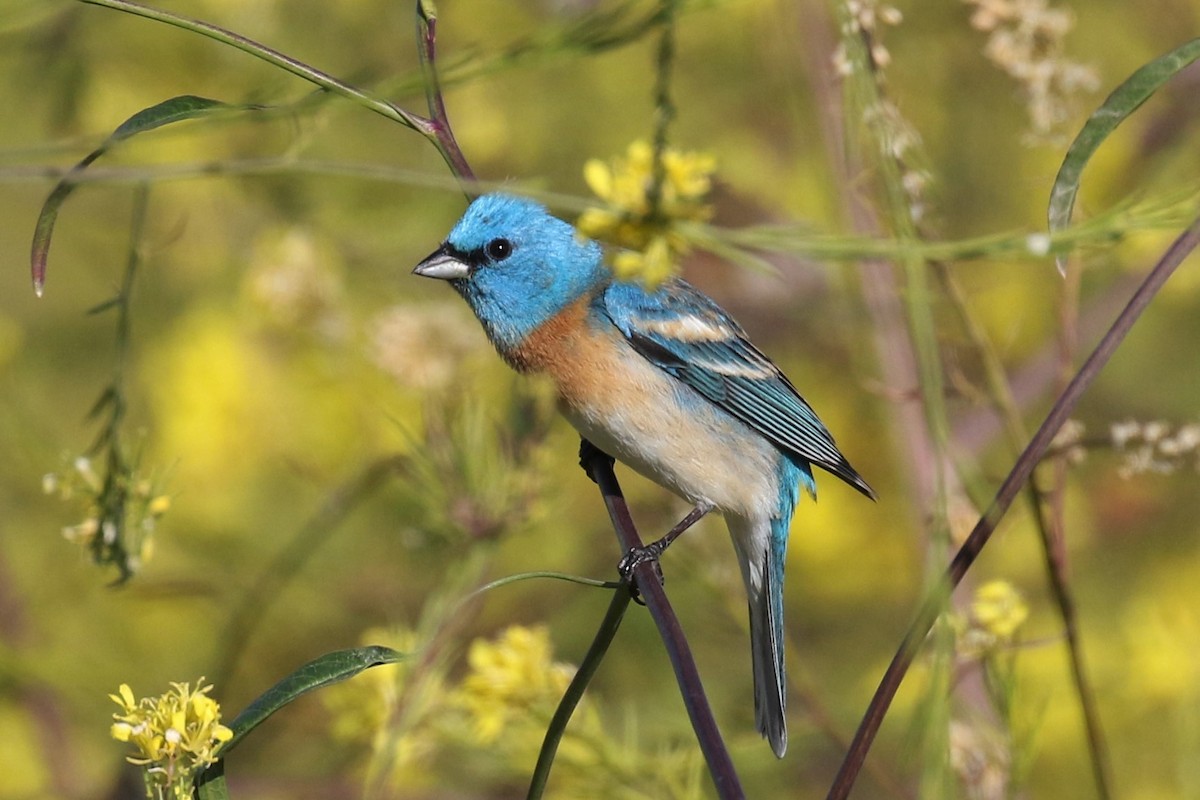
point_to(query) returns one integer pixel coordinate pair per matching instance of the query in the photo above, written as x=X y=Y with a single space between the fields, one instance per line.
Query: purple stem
x=439 y=121
x=1017 y=478
x=720 y=765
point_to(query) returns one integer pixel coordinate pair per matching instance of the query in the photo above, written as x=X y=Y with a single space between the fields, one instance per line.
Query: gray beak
x=442 y=265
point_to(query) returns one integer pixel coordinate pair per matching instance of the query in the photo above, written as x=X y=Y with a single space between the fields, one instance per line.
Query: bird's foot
x=653 y=551
x=635 y=558
x=587 y=453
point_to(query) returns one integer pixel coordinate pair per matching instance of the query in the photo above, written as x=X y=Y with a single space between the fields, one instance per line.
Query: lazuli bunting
x=664 y=381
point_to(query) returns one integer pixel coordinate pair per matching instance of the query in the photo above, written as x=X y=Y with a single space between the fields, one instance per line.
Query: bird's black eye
x=499 y=249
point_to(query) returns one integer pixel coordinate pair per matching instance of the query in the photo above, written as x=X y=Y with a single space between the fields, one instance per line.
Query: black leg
x=653 y=551
x=588 y=451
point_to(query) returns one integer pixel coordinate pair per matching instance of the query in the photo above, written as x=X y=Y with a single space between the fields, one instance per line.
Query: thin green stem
x=1048 y=517
x=664 y=107
x=887 y=130
x=276 y=58
x=797 y=240
x=266 y=588
x=583 y=676
x=557 y=576
x=1053 y=535
x=1064 y=600
x=436 y=130
x=111 y=545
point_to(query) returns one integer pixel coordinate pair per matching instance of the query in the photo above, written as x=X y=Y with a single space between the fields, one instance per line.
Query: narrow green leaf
x=108 y=397
x=1116 y=108
x=100 y=308
x=329 y=668
x=322 y=671
x=177 y=109
x=211 y=783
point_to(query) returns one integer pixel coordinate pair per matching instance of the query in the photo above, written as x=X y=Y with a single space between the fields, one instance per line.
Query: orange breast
x=581 y=361
x=633 y=410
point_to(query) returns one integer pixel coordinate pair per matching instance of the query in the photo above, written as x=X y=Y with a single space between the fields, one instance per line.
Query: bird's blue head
x=515 y=264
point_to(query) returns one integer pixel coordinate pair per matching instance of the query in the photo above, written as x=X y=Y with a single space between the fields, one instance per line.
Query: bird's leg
x=654 y=550
x=588 y=451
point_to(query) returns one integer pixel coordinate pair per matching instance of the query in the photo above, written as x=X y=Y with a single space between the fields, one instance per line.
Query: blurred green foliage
x=279 y=352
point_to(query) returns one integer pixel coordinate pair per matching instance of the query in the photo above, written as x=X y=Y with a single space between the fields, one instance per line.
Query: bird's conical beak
x=441 y=264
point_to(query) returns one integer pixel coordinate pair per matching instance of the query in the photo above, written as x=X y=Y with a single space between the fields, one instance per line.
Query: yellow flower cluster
x=999 y=609
x=495 y=718
x=175 y=735
x=643 y=212
x=413 y=719
x=997 y=613
x=512 y=677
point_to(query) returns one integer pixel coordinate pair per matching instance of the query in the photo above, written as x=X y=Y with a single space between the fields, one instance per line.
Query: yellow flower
x=174 y=735
x=997 y=612
x=642 y=214
x=512 y=679
x=999 y=609
x=653 y=265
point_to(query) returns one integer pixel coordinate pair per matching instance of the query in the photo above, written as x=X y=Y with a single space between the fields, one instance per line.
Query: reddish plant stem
x=1034 y=452
x=649 y=584
x=439 y=122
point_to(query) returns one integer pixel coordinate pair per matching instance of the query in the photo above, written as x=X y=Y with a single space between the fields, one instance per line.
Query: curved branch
x=1017 y=478
x=720 y=765
x=439 y=122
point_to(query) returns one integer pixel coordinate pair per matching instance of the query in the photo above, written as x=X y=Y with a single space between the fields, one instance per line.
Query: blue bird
x=664 y=381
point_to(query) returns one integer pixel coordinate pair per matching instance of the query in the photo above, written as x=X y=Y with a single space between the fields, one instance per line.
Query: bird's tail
x=762 y=569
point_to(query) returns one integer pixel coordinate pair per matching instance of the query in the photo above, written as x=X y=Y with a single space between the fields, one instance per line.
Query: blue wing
x=683 y=332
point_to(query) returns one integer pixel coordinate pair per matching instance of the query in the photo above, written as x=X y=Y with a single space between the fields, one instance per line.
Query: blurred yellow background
x=280 y=348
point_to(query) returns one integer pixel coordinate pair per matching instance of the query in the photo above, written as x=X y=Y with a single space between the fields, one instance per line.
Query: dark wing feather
x=688 y=336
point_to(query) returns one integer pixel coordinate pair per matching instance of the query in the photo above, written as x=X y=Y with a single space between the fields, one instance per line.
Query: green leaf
x=323 y=671
x=107 y=398
x=211 y=783
x=1124 y=100
x=100 y=308
x=427 y=11
x=329 y=668
x=177 y=109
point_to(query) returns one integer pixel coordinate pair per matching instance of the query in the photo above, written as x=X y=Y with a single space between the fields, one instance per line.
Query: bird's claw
x=635 y=558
